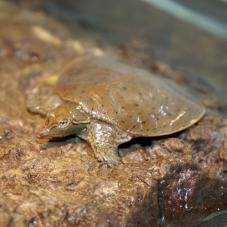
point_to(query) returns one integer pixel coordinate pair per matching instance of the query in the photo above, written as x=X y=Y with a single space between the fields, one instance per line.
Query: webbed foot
x=111 y=158
x=104 y=140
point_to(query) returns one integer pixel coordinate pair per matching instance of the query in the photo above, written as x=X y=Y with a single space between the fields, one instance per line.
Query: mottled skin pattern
x=104 y=138
x=108 y=103
x=130 y=98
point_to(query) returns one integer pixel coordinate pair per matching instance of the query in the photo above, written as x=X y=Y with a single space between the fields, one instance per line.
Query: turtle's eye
x=63 y=123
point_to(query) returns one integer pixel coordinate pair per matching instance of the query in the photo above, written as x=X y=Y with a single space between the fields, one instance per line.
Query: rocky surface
x=177 y=179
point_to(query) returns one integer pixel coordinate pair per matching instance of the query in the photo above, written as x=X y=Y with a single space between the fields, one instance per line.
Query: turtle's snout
x=44 y=136
x=44 y=133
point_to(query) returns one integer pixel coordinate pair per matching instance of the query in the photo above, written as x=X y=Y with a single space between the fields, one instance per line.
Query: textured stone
x=175 y=179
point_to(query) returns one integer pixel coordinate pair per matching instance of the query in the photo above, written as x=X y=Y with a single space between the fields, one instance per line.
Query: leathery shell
x=132 y=99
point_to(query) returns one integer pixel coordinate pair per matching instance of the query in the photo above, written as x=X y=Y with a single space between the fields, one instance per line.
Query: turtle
x=107 y=102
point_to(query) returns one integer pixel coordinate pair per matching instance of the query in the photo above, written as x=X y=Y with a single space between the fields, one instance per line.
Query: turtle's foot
x=110 y=157
x=104 y=140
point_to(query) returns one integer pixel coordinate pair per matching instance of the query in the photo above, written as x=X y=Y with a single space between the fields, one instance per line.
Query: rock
x=187 y=192
x=180 y=179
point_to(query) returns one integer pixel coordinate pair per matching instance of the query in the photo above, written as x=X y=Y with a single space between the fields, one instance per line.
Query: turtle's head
x=63 y=121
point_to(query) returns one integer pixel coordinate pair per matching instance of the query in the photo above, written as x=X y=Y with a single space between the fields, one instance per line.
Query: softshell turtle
x=108 y=103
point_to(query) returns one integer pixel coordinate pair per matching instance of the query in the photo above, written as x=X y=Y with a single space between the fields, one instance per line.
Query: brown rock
x=179 y=178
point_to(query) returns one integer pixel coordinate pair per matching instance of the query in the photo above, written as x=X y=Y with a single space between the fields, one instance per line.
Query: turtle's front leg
x=104 y=140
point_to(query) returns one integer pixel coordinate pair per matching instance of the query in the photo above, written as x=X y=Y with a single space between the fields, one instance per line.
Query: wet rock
x=174 y=145
x=173 y=179
x=187 y=192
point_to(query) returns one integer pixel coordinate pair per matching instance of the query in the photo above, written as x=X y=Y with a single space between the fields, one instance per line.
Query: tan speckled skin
x=120 y=102
x=130 y=98
x=104 y=138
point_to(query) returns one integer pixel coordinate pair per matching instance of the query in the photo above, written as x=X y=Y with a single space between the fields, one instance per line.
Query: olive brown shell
x=133 y=99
